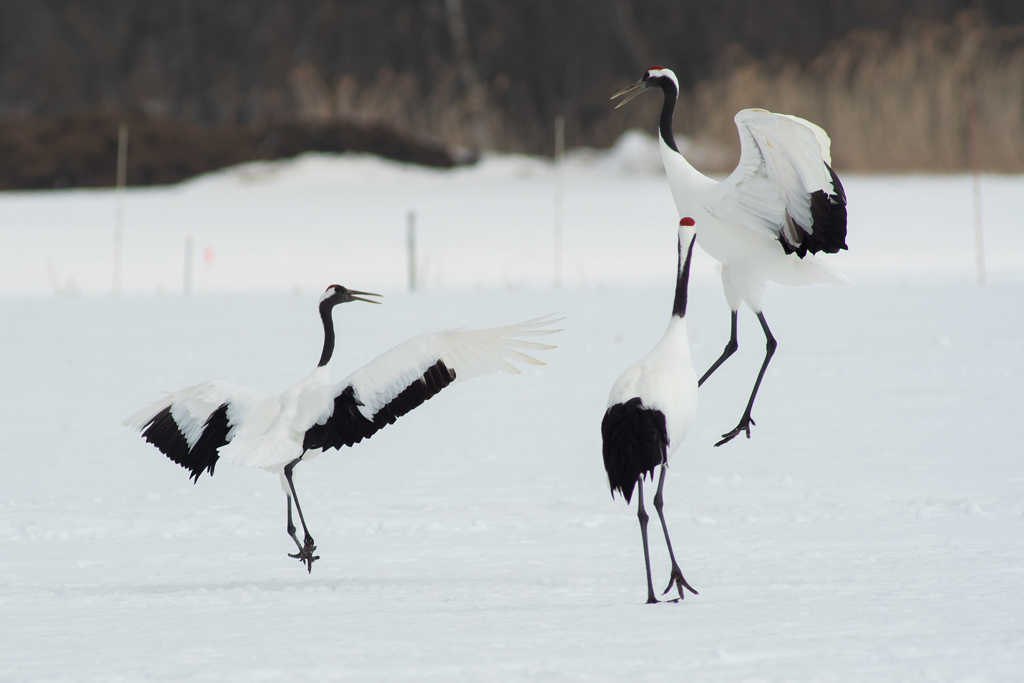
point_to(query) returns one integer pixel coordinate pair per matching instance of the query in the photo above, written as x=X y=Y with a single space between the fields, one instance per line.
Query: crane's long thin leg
x=745 y=421
x=305 y=553
x=730 y=349
x=676 y=579
x=643 y=517
x=291 y=527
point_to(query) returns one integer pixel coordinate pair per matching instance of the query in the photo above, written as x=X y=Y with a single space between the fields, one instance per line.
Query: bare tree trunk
x=476 y=90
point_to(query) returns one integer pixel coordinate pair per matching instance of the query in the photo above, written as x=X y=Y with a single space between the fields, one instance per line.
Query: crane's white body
x=665 y=381
x=748 y=250
x=739 y=219
x=267 y=429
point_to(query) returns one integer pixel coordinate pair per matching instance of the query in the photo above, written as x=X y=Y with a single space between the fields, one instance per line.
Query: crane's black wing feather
x=347 y=425
x=828 y=232
x=164 y=433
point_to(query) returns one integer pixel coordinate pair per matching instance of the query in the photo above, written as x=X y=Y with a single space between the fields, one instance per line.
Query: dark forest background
x=895 y=82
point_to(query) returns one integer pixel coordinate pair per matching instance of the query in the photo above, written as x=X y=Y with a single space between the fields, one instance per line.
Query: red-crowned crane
x=782 y=205
x=650 y=412
x=200 y=425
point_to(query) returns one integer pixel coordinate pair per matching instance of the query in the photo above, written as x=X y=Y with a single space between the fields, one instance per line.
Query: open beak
x=631 y=92
x=360 y=298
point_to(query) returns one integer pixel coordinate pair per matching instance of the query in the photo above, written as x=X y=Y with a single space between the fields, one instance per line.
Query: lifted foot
x=743 y=426
x=679 y=582
x=306 y=555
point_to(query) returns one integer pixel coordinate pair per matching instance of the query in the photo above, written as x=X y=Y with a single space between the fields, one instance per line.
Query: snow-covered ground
x=871 y=530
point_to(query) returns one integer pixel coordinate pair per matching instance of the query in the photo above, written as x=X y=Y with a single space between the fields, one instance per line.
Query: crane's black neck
x=667 y=109
x=682 y=278
x=325 y=314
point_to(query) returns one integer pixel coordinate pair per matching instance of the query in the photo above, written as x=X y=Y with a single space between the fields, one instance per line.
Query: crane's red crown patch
x=686 y=221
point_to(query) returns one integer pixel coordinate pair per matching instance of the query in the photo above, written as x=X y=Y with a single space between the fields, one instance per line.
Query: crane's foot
x=306 y=555
x=651 y=600
x=744 y=426
x=677 y=580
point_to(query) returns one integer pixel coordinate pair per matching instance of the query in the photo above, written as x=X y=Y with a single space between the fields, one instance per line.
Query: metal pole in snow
x=189 y=247
x=979 y=245
x=122 y=177
x=559 y=155
x=412 y=250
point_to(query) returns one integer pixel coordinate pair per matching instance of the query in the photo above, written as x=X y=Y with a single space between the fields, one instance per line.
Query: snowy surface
x=871 y=530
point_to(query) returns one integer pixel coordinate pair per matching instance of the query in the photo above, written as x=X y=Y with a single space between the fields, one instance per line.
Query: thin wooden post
x=189 y=261
x=411 y=242
x=979 y=244
x=122 y=178
x=559 y=156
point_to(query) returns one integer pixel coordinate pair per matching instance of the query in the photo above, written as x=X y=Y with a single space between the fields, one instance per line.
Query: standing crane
x=650 y=411
x=781 y=206
x=200 y=425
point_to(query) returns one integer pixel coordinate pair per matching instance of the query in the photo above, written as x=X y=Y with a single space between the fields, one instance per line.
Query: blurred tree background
x=895 y=82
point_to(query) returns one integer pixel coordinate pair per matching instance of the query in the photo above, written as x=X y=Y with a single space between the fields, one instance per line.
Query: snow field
x=871 y=529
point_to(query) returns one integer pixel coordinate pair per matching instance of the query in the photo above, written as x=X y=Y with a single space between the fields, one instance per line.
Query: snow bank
x=317 y=219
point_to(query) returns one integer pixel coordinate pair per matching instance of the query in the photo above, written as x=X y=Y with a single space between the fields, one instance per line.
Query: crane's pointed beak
x=360 y=298
x=631 y=92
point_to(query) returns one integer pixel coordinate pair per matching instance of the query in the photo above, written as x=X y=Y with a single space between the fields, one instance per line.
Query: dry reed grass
x=890 y=104
x=440 y=110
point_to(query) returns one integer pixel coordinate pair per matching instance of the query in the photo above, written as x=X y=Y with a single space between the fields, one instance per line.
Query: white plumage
x=202 y=424
x=665 y=381
x=650 y=411
x=781 y=206
x=471 y=353
x=780 y=166
x=267 y=428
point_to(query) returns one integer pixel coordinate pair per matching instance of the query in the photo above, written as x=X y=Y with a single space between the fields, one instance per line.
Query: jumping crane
x=781 y=206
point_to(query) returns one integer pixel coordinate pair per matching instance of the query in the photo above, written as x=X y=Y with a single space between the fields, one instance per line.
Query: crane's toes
x=728 y=436
x=677 y=580
x=743 y=426
x=306 y=555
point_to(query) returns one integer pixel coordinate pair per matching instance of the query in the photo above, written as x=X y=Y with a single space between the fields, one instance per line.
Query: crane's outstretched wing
x=784 y=185
x=390 y=386
x=191 y=425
